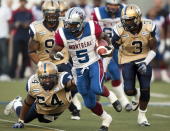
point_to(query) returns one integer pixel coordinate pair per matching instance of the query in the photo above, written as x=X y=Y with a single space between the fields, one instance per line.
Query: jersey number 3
x=138 y=47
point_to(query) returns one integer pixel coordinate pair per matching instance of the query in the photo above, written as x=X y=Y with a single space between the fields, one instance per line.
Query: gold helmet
x=51 y=10
x=131 y=17
x=64 y=6
x=47 y=74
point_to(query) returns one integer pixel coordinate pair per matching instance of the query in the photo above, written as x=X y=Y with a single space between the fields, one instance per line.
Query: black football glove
x=142 y=68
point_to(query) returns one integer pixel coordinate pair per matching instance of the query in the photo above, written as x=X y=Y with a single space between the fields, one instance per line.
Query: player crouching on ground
x=135 y=38
x=48 y=96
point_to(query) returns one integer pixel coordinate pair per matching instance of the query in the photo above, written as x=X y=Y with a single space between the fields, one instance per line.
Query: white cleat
x=135 y=105
x=10 y=106
x=144 y=123
x=142 y=120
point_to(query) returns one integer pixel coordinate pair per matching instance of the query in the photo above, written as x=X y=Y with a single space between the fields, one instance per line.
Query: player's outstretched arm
x=29 y=100
x=33 y=46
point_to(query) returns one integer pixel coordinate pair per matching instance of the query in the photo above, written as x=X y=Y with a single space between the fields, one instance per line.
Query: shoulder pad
x=118 y=28
x=149 y=25
x=33 y=81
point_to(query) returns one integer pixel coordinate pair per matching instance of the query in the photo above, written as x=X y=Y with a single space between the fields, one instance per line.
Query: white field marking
x=167 y=103
x=44 y=127
x=159 y=95
x=161 y=115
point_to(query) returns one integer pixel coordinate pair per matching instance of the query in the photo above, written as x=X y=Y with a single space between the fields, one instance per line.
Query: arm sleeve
x=66 y=78
x=98 y=29
x=58 y=39
x=115 y=38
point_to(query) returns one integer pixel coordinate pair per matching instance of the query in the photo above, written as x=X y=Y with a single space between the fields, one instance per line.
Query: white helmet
x=74 y=19
x=113 y=1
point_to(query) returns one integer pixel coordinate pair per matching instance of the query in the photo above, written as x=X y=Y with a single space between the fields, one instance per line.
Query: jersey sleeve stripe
x=92 y=28
x=115 y=30
x=58 y=39
x=61 y=78
x=33 y=28
x=97 y=13
x=61 y=32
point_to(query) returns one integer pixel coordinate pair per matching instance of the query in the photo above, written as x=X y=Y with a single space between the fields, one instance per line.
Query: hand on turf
x=142 y=68
x=18 y=125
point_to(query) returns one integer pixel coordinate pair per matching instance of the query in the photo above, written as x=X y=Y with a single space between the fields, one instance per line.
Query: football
x=100 y=47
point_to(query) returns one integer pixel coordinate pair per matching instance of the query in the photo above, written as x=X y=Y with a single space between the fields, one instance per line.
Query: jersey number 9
x=49 y=45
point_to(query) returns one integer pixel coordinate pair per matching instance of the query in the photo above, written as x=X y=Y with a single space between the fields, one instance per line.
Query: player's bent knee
x=145 y=95
x=130 y=92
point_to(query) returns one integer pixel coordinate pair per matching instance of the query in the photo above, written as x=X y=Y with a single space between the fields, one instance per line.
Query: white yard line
x=44 y=127
x=161 y=115
x=159 y=95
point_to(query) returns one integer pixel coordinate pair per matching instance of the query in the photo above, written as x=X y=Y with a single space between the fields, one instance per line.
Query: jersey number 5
x=138 y=47
x=82 y=56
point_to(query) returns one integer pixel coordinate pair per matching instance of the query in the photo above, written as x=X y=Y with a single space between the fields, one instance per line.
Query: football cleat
x=117 y=106
x=10 y=106
x=135 y=105
x=75 y=115
x=106 y=120
x=144 y=123
x=128 y=107
x=103 y=128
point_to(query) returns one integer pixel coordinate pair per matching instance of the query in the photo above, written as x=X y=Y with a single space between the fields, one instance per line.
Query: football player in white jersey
x=80 y=38
x=107 y=16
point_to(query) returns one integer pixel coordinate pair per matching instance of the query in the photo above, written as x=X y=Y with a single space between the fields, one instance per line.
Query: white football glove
x=59 y=56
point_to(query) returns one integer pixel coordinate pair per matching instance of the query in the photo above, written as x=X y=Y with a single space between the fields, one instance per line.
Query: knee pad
x=130 y=92
x=116 y=83
x=145 y=95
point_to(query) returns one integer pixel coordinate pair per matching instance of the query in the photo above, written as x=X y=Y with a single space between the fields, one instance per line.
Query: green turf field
x=158 y=116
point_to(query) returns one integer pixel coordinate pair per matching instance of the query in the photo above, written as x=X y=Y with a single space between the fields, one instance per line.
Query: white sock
x=17 y=104
x=76 y=102
x=141 y=115
x=107 y=119
x=112 y=97
x=118 y=90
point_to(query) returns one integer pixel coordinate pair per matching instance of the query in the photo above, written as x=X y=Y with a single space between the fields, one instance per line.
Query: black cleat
x=128 y=107
x=103 y=128
x=75 y=115
x=117 y=106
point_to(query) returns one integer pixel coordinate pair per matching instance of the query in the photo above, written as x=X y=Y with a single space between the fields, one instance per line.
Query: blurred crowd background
x=16 y=15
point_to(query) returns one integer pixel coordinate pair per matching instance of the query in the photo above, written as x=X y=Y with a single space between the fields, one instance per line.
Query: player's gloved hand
x=59 y=56
x=108 y=53
x=19 y=124
x=142 y=67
